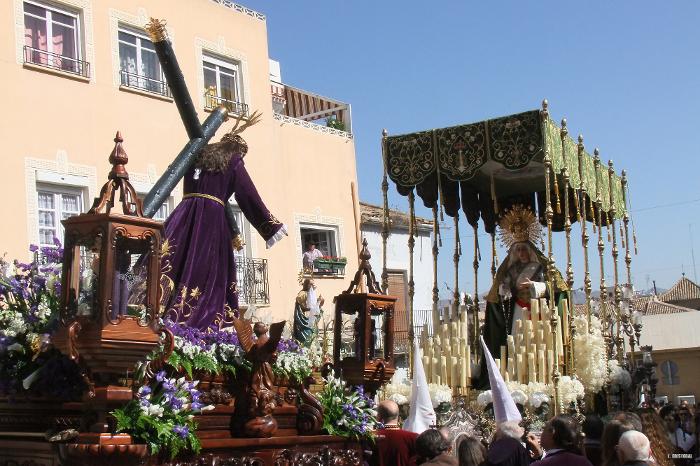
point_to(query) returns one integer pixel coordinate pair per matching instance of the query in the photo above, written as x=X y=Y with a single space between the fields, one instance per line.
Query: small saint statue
x=256 y=399
x=307 y=312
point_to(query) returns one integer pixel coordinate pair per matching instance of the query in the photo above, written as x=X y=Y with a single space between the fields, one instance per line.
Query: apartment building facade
x=76 y=71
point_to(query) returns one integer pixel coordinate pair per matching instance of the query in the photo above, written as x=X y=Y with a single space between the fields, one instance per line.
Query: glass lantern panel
x=350 y=336
x=129 y=284
x=376 y=338
x=85 y=278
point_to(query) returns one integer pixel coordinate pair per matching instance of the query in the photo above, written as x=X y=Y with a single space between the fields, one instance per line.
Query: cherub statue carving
x=256 y=400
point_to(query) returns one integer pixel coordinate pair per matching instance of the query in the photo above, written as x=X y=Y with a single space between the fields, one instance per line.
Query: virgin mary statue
x=522 y=276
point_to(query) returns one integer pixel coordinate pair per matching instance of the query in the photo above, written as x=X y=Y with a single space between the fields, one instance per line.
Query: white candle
x=464 y=373
x=454 y=379
x=534 y=312
x=531 y=372
x=528 y=333
x=522 y=368
x=504 y=359
x=512 y=369
x=542 y=367
x=443 y=370
x=436 y=369
x=468 y=359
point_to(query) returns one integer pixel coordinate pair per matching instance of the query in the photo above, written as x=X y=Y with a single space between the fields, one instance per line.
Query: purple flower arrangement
x=162 y=415
x=347 y=411
x=213 y=351
x=29 y=307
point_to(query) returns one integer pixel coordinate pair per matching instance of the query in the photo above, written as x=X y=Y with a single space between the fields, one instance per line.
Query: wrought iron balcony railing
x=212 y=101
x=55 y=61
x=144 y=83
x=253 y=287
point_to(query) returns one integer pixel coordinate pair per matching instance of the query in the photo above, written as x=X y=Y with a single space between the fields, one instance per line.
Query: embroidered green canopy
x=487 y=166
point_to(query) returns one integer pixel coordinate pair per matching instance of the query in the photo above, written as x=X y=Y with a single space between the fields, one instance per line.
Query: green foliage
x=162 y=416
x=206 y=362
x=334 y=123
x=347 y=412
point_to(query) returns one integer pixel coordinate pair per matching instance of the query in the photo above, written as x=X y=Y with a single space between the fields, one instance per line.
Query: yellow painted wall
x=688 y=361
x=44 y=114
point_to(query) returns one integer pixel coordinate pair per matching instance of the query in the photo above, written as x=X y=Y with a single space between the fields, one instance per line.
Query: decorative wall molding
x=84 y=7
x=313 y=126
x=241 y=9
x=136 y=21
x=221 y=49
x=317 y=219
x=75 y=175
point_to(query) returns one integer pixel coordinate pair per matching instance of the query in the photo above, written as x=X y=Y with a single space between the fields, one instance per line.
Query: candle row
x=446 y=354
x=529 y=354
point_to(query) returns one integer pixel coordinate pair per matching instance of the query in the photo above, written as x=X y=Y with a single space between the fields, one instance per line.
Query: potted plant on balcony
x=331 y=264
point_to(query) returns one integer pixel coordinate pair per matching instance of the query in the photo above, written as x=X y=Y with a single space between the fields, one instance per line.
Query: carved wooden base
x=318 y=450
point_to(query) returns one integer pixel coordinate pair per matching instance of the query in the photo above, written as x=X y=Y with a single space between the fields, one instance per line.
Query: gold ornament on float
x=518 y=225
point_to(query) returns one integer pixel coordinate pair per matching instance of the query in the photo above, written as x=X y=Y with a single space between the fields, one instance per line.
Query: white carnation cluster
x=570 y=390
x=399 y=387
x=439 y=394
x=12 y=323
x=191 y=350
x=295 y=364
x=619 y=376
x=484 y=398
x=228 y=352
x=533 y=394
x=591 y=357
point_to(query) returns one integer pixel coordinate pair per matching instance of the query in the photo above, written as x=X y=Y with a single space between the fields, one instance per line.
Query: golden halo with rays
x=519 y=224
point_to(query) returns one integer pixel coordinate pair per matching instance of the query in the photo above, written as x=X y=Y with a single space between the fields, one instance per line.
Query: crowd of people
x=666 y=436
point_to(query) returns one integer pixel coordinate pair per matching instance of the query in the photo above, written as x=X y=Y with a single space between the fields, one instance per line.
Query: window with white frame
x=56 y=203
x=244 y=228
x=139 y=67
x=164 y=209
x=52 y=37
x=323 y=237
x=222 y=84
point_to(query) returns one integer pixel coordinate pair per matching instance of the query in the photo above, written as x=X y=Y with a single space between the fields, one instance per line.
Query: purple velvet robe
x=199 y=269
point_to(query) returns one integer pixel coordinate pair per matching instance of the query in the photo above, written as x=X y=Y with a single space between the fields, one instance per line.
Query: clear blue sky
x=625 y=74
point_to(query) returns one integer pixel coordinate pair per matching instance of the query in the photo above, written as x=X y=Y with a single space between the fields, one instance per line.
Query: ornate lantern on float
x=363 y=340
x=111 y=281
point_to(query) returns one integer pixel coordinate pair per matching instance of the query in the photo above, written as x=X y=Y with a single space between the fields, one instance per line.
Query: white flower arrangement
x=619 y=376
x=399 y=399
x=591 y=357
x=13 y=323
x=570 y=390
x=537 y=399
x=484 y=398
x=399 y=387
x=296 y=365
x=519 y=397
x=439 y=394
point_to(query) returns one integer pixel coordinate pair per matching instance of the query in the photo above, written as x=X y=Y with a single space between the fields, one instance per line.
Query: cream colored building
x=670 y=325
x=76 y=71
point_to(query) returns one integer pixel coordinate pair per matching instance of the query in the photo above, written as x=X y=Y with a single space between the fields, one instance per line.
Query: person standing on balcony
x=310 y=255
